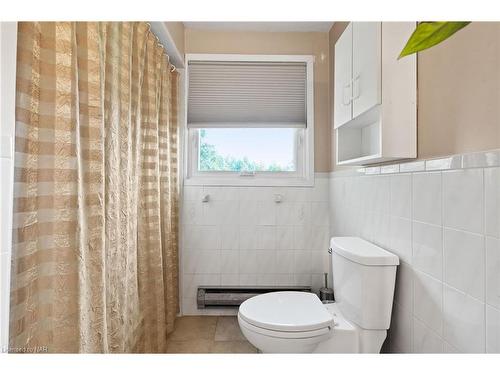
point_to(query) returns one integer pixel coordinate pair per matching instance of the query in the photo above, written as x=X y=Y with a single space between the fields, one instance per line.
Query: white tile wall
x=463 y=206
x=428 y=301
x=425 y=340
x=493 y=271
x=401 y=195
x=464 y=321
x=427 y=251
x=492 y=201
x=492 y=330
x=444 y=224
x=242 y=237
x=464 y=262
x=403 y=294
x=427 y=196
x=400 y=337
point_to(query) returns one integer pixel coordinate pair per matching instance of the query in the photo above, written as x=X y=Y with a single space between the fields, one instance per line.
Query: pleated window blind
x=228 y=94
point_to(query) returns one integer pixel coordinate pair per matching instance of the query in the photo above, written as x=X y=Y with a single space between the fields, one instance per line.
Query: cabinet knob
x=344 y=102
x=356 y=88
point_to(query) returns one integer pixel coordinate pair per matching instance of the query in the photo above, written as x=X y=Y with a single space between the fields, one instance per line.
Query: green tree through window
x=211 y=160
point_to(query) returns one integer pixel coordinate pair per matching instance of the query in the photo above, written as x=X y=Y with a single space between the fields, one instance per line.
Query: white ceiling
x=261 y=26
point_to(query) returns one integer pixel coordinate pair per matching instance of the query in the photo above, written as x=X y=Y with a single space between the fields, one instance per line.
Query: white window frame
x=304 y=158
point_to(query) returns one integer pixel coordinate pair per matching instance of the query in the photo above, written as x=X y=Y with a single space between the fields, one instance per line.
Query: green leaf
x=428 y=34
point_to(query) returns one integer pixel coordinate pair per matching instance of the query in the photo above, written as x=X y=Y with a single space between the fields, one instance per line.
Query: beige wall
x=176 y=30
x=458 y=92
x=458 y=84
x=299 y=43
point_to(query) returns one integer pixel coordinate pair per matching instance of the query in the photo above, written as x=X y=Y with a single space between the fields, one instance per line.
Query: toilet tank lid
x=363 y=252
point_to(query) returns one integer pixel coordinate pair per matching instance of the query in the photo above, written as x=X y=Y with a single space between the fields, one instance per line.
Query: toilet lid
x=286 y=311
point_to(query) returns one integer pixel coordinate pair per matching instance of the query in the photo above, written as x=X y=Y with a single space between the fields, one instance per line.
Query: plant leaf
x=428 y=34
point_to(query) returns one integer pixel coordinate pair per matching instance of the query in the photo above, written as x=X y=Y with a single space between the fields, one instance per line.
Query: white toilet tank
x=363 y=281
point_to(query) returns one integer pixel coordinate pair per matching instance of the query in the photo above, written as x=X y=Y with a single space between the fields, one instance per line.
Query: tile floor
x=208 y=334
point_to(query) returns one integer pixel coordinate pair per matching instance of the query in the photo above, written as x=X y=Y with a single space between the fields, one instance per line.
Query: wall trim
x=481 y=159
x=321 y=174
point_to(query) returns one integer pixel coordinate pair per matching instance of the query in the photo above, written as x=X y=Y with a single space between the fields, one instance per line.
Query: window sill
x=249 y=181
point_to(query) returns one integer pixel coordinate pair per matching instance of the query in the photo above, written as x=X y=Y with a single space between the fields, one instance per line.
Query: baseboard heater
x=229 y=296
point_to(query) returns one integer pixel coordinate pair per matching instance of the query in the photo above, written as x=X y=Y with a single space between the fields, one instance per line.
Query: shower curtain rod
x=162 y=34
x=172 y=66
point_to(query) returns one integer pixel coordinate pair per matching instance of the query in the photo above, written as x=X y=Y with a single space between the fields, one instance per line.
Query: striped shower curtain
x=95 y=249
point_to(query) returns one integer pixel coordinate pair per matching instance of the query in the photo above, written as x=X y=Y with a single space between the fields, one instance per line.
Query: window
x=249 y=120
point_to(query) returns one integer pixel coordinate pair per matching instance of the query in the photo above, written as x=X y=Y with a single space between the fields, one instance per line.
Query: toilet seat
x=283 y=334
x=285 y=322
x=286 y=314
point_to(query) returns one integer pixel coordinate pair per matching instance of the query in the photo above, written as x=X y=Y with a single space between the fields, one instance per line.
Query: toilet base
x=348 y=337
x=362 y=341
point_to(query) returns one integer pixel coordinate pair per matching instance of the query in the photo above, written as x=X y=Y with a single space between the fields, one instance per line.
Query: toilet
x=357 y=322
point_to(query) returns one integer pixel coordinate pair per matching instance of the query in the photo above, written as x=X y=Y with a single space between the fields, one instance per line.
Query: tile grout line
x=485 y=263
x=442 y=261
x=412 y=267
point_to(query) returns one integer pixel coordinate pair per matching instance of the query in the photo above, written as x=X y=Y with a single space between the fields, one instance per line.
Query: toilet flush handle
x=330 y=250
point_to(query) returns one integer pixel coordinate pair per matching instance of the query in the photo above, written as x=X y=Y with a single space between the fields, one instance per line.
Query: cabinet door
x=343 y=78
x=366 y=66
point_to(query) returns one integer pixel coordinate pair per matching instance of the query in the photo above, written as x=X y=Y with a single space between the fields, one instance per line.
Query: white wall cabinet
x=375 y=116
x=343 y=78
x=366 y=66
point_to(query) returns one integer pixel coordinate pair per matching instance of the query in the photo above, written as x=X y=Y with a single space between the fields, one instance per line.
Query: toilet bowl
x=285 y=322
x=297 y=322
x=323 y=328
